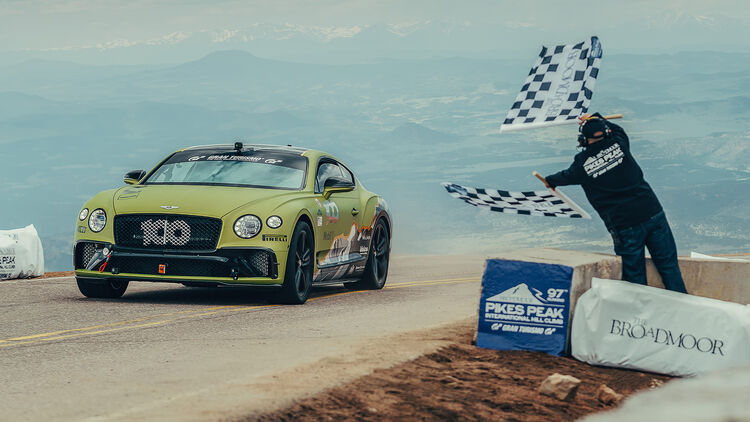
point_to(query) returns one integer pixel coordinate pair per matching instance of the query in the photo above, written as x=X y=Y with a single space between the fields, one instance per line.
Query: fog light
x=274 y=222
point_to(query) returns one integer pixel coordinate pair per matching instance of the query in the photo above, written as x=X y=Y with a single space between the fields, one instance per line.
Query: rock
x=655 y=383
x=561 y=387
x=450 y=380
x=607 y=395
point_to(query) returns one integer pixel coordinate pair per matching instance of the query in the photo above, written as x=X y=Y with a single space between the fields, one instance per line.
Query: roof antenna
x=239 y=146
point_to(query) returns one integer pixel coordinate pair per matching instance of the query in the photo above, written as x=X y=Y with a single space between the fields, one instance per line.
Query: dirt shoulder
x=53 y=274
x=57 y=274
x=463 y=382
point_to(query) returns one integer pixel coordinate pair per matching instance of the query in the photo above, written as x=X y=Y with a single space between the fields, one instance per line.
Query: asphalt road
x=170 y=352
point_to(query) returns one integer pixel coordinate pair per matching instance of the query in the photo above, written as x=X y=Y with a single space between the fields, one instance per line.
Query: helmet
x=590 y=127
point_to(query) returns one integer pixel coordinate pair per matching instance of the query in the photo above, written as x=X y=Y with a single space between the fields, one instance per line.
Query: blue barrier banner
x=524 y=306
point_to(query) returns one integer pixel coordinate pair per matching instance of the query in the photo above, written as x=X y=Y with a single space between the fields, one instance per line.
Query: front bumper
x=252 y=265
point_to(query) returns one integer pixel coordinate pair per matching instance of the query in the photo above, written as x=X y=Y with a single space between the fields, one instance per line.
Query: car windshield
x=263 y=169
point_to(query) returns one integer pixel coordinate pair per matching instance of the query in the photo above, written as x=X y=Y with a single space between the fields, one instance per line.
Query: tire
x=376 y=269
x=102 y=289
x=298 y=274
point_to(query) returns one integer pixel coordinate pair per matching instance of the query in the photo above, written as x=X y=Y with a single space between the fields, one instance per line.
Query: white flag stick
x=562 y=196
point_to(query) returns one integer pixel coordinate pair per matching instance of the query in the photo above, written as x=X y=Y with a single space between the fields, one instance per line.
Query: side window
x=347 y=175
x=326 y=170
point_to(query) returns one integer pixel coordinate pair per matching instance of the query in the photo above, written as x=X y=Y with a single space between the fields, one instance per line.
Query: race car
x=279 y=217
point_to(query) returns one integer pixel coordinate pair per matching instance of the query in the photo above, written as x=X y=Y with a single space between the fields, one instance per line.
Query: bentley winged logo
x=170 y=207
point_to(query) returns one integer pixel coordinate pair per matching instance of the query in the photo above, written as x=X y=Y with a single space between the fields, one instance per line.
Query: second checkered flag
x=546 y=203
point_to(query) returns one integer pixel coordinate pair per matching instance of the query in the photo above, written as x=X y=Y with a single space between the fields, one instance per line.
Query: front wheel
x=101 y=289
x=376 y=269
x=299 y=266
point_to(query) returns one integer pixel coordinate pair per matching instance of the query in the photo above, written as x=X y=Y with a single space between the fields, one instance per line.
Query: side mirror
x=336 y=184
x=132 y=177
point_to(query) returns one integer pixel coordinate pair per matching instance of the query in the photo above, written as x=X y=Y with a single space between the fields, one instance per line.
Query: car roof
x=256 y=147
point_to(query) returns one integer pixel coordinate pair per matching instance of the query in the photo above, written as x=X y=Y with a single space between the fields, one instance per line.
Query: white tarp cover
x=21 y=253
x=626 y=325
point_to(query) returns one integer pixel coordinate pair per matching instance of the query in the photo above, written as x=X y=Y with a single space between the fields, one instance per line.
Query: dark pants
x=655 y=234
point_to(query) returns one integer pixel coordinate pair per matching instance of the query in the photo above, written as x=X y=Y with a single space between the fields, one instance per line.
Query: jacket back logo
x=604 y=161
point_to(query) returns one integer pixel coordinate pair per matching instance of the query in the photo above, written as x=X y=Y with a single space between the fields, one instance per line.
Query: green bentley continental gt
x=279 y=217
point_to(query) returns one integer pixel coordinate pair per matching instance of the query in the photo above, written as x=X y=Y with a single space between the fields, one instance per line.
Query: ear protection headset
x=583 y=141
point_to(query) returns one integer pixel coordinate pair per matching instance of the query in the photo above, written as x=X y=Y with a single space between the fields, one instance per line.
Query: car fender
x=375 y=209
x=105 y=201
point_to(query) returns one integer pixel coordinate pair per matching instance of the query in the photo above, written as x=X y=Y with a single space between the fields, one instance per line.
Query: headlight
x=97 y=220
x=247 y=226
x=84 y=213
x=274 y=222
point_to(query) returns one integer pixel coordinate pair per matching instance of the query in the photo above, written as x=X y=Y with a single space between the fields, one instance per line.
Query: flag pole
x=539 y=176
x=612 y=116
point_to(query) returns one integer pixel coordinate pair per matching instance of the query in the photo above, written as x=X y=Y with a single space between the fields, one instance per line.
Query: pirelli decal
x=274 y=237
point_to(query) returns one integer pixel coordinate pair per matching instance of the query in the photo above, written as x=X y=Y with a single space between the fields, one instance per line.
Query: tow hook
x=108 y=253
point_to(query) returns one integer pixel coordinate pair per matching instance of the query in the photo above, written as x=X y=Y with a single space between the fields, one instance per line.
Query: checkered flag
x=559 y=87
x=548 y=203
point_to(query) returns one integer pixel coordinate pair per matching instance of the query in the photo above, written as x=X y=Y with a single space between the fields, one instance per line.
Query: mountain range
x=70 y=130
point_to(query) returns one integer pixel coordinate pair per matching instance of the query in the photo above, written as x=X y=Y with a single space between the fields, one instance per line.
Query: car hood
x=209 y=201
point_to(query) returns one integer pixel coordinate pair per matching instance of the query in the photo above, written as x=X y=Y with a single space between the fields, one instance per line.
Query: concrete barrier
x=723 y=280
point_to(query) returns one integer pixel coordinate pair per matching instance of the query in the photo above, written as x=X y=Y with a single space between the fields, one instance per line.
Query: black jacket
x=612 y=180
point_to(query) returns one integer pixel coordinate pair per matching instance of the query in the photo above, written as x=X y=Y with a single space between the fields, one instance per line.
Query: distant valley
x=71 y=130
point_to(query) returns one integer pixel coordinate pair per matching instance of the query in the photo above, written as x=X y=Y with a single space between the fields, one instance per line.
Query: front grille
x=179 y=267
x=167 y=232
x=241 y=262
x=260 y=261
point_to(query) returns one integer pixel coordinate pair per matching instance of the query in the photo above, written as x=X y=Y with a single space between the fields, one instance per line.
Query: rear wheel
x=99 y=288
x=299 y=266
x=376 y=269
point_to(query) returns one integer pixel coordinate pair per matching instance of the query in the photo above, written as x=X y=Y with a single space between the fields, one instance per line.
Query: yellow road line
x=88 y=333
x=183 y=315
x=403 y=285
x=125 y=327
x=433 y=283
x=113 y=324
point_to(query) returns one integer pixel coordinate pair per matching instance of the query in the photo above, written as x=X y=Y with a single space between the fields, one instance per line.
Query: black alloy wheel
x=299 y=266
x=102 y=289
x=376 y=269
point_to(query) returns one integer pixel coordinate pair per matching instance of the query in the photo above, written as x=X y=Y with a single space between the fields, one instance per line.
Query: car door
x=359 y=236
x=336 y=230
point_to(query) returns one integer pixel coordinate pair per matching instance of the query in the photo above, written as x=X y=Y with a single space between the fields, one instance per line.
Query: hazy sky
x=65 y=23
